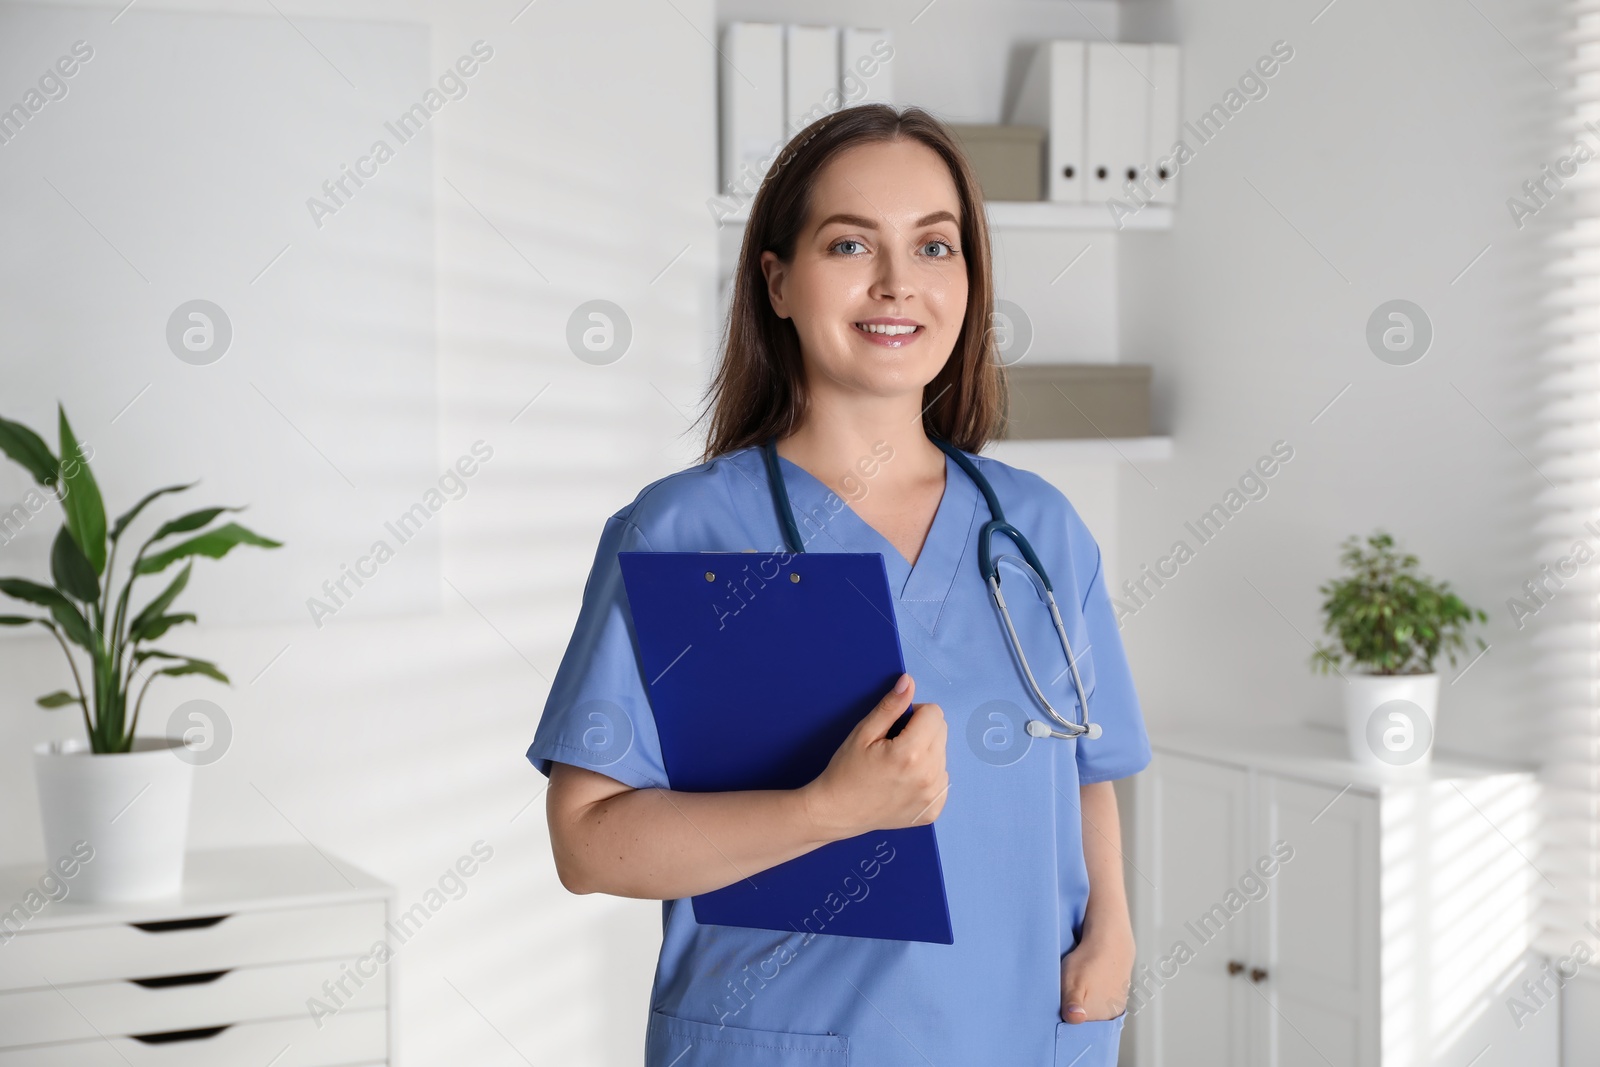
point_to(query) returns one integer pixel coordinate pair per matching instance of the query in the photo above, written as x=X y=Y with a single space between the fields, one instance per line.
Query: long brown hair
x=759 y=387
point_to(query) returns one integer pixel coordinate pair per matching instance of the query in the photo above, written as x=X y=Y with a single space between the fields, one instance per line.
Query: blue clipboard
x=759 y=664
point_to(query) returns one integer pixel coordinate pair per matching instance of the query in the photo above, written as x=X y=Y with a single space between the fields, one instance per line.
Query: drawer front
x=346 y=1038
x=245 y=994
x=37 y=959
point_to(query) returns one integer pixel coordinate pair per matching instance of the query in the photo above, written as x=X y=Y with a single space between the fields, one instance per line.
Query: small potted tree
x=126 y=796
x=1391 y=623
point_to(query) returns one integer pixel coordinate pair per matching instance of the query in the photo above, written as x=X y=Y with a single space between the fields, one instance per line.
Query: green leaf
x=132 y=513
x=62 y=609
x=29 y=450
x=154 y=628
x=213 y=543
x=157 y=607
x=86 y=512
x=72 y=573
x=196 y=666
x=59 y=699
x=74 y=624
x=154 y=653
x=21 y=620
x=184 y=523
x=32 y=592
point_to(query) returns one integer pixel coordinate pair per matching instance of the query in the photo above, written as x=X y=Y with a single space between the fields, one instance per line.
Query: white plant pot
x=132 y=808
x=1402 y=734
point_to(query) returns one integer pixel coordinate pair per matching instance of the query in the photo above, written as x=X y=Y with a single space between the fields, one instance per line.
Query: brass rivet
x=793 y=577
x=710 y=577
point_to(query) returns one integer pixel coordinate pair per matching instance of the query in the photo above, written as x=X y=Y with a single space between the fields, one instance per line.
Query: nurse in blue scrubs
x=857 y=329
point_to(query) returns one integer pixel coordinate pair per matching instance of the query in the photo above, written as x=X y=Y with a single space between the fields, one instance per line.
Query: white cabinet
x=1294 y=908
x=266 y=956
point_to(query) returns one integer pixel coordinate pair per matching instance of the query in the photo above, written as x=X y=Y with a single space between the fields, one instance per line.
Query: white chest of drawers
x=268 y=955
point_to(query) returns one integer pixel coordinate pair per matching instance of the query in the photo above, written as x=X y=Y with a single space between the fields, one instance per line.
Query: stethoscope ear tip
x=1094 y=730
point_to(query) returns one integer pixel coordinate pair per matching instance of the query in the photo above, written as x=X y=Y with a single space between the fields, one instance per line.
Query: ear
x=776 y=272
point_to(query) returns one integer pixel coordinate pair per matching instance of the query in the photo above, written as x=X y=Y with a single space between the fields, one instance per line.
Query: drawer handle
x=170 y=1036
x=199 y=978
x=169 y=925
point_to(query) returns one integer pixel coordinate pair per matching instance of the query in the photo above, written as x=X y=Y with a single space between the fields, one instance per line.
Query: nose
x=894 y=277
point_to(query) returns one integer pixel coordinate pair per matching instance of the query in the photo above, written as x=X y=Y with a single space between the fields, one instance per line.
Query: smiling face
x=877 y=289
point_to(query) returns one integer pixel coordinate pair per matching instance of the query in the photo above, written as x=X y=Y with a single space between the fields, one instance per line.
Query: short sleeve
x=1123 y=747
x=598 y=715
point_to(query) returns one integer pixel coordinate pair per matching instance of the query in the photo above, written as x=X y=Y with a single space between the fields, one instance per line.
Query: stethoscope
x=991 y=573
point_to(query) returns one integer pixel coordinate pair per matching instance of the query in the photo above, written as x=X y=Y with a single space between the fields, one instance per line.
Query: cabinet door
x=1317 y=1002
x=1191 y=1011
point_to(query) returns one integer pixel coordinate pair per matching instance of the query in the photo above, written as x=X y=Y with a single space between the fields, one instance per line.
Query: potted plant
x=127 y=796
x=1391 y=622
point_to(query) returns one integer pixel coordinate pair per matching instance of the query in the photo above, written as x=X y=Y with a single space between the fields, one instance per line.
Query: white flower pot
x=131 y=807
x=1390 y=718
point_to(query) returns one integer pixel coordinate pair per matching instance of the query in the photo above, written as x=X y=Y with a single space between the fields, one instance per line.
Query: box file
x=751 y=102
x=866 y=75
x=1052 y=96
x=1165 y=103
x=811 y=75
x=1118 y=123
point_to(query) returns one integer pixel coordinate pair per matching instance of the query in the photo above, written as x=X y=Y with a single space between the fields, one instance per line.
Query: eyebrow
x=867 y=224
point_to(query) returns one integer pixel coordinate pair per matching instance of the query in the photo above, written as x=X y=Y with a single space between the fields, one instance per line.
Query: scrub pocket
x=1089 y=1044
x=687 y=1043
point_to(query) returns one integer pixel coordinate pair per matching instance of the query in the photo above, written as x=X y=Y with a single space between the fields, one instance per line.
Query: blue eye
x=846 y=241
x=946 y=245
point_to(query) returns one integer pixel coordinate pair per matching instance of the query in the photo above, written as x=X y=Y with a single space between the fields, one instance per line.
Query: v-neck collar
x=921 y=589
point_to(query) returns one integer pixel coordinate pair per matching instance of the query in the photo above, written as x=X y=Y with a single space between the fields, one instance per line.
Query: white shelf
x=1046 y=215
x=1042 y=215
x=1133 y=449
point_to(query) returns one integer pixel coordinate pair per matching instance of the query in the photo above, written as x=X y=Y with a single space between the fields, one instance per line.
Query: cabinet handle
x=1234 y=966
x=170 y=1036
x=1257 y=974
x=167 y=926
x=199 y=978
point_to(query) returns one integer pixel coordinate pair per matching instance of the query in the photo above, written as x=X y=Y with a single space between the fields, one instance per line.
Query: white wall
x=1390 y=142
x=587 y=147
x=1376 y=168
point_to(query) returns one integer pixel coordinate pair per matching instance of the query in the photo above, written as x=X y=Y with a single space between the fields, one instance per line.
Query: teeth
x=892 y=331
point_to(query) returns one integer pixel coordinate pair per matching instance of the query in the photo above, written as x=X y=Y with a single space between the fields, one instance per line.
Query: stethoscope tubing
x=991 y=574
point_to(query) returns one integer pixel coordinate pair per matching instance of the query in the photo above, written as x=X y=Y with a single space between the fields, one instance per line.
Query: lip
x=886 y=340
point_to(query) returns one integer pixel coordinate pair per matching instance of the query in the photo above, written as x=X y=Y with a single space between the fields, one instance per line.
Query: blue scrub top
x=1010 y=834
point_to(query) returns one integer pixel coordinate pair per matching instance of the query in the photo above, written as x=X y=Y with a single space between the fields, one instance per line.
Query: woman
x=857 y=330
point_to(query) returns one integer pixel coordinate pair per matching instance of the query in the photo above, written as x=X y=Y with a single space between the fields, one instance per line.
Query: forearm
x=662 y=844
x=1095 y=974
x=1107 y=907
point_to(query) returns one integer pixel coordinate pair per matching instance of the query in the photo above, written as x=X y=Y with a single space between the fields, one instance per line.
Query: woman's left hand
x=1095 y=975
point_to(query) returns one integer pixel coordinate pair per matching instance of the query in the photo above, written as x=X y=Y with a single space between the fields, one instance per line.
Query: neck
x=892 y=451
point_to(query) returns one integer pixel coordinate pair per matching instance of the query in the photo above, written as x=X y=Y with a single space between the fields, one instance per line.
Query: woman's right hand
x=877 y=782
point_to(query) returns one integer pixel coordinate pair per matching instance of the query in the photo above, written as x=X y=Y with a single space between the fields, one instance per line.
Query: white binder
x=866 y=75
x=1052 y=96
x=751 y=101
x=1165 y=106
x=812 y=75
x=1119 y=116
